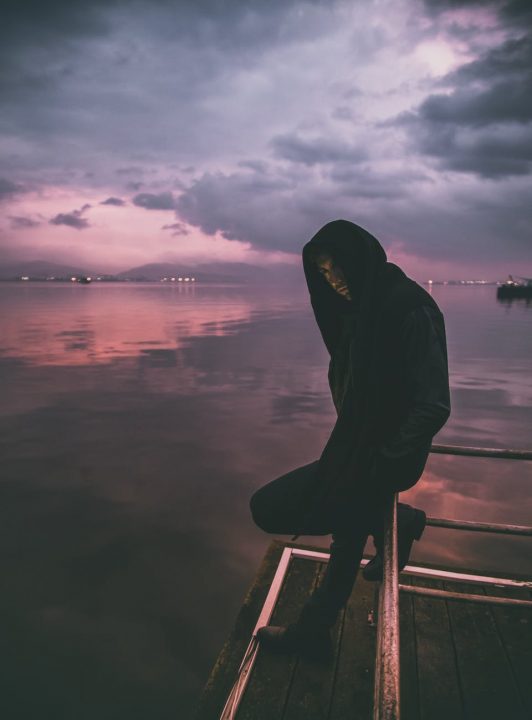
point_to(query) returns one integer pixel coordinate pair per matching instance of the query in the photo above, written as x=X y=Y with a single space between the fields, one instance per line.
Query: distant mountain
x=38 y=269
x=156 y=271
x=217 y=272
x=212 y=272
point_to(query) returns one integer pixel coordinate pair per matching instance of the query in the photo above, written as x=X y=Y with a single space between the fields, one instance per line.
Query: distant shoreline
x=97 y=281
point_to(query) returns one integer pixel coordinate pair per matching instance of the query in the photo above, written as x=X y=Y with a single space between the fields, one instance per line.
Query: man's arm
x=428 y=375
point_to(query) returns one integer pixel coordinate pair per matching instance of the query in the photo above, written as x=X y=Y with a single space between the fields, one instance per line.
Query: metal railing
x=387 y=701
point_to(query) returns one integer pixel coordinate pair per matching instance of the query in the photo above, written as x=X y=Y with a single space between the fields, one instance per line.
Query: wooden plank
x=312 y=684
x=353 y=687
x=515 y=629
x=271 y=677
x=225 y=669
x=438 y=682
x=408 y=657
x=488 y=684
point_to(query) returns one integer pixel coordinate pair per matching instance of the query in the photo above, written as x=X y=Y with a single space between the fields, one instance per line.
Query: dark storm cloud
x=513 y=11
x=489 y=155
x=19 y=222
x=509 y=61
x=237 y=206
x=152 y=201
x=61 y=47
x=72 y=219
x=503 y=102
x=113 y=201
x=317 y=151
x=484 y=125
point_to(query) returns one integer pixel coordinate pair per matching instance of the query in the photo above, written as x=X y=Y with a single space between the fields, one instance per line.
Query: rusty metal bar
x=508 y=454
x=480 y=526
x=386 y=698
x=468 y=597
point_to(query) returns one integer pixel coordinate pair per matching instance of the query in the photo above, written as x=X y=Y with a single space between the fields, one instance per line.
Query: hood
x=363 y=261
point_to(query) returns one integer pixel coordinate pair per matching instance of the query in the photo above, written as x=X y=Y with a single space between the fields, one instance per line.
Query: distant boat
x=522 y=287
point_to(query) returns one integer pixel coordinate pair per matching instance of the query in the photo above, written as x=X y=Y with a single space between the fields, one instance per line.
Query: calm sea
x=137 y=420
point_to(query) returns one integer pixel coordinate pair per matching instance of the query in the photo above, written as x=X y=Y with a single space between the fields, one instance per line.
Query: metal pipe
x=434 y=573
x=386 y=699
x=480 y=526
x=448 y=595
x=244 y=671
x=508 y=454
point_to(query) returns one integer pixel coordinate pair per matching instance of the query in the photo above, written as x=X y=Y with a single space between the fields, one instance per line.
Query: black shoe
x=315 y=644
x=410 y=531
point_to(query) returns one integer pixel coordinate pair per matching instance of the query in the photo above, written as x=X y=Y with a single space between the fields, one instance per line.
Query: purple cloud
x=152 y=201
x=72 y=219
x=19 y=222
x=178 y=228
x=113 y=201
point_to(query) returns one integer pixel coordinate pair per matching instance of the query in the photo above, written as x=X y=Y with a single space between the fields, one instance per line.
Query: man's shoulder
x=421 y=314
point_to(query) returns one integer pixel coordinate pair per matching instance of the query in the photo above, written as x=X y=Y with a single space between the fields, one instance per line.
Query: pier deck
x=458 y=659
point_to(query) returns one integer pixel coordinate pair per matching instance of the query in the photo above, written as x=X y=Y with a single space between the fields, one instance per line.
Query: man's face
x=333 y=274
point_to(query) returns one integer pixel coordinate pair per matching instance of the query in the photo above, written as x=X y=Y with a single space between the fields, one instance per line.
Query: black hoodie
x=368 y=369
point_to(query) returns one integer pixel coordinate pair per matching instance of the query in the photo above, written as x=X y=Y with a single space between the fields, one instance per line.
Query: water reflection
x=136 y=422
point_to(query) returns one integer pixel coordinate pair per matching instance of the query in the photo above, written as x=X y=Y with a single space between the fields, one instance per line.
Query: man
x=389 y=382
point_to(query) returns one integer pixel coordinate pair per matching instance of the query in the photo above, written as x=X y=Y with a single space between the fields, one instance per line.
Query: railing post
x=386 y=697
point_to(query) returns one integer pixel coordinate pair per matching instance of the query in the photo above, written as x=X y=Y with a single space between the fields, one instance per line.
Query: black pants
x=278 y=506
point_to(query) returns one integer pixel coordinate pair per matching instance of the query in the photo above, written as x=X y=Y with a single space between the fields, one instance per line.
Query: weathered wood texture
x=458 y=660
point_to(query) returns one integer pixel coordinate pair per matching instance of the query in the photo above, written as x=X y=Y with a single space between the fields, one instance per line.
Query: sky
x=137 y=131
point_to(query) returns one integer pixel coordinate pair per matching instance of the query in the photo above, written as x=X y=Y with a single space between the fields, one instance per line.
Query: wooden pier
x=458 y=659
x=435 y=643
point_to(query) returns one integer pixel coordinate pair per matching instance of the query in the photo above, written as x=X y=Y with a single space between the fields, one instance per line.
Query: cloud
x=315 y=151
x=131 y=170
x=250 y=207
x=260 y=122
x=72 y=219
x=9 y=188
x=113 y=201
x=483 y=126
x=511 y=11
x=19 y=222
x=178 y=228
x=494 y=154
x=151 y=201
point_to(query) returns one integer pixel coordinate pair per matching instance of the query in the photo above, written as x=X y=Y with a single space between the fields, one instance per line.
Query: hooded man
x=389 y=382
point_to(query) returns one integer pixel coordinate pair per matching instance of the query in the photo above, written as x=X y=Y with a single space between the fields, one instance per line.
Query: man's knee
x=258 y=511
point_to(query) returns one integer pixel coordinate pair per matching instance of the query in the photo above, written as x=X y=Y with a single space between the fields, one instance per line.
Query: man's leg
x=410 y=526
x=334 y=590
x=279 y=506
x=310 y=634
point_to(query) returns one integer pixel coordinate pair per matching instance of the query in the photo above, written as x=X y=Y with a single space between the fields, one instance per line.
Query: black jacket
x=388 y=368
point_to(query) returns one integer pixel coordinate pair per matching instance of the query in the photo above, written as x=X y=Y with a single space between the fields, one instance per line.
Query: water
x=136 y=421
